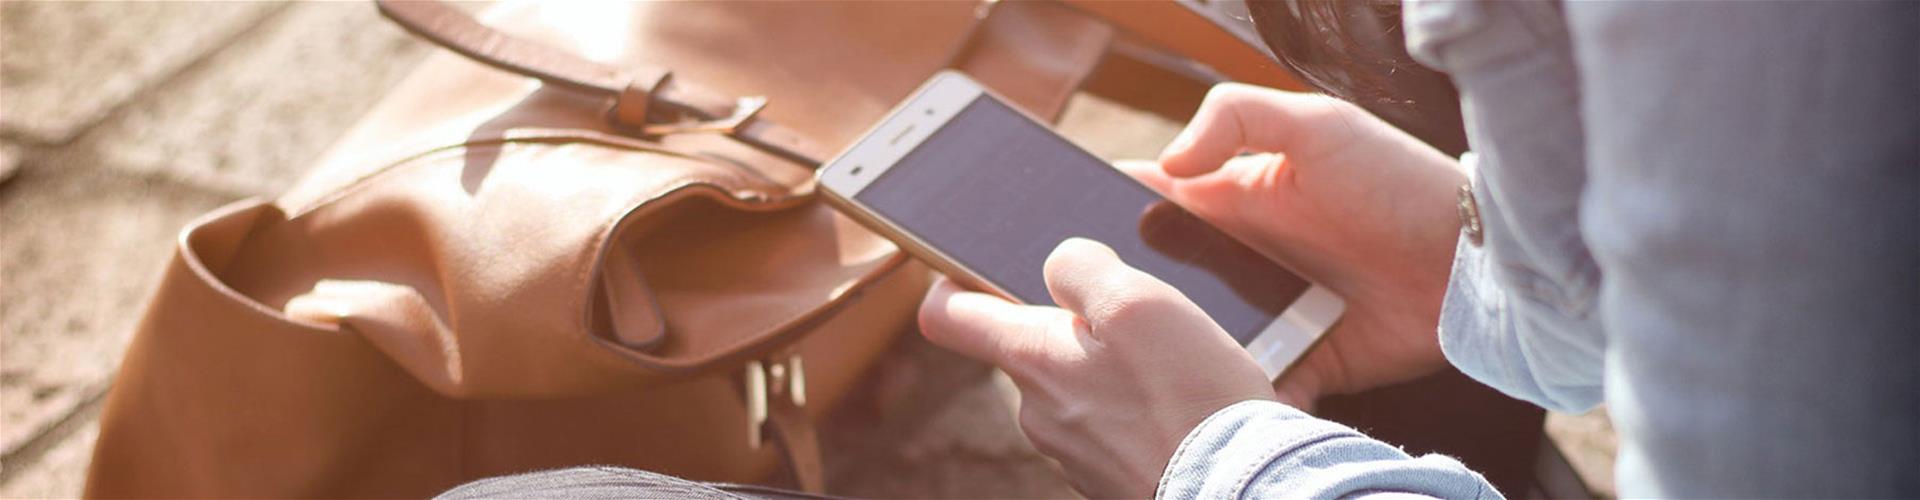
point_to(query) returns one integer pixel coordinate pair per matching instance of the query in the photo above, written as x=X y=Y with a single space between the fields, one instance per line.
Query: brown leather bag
x=611 y=263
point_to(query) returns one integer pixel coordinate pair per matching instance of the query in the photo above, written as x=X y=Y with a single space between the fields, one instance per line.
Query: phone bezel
x=929 y=109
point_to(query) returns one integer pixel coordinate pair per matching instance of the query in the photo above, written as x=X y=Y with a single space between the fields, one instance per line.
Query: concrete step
x=81 y=250
x=69 y=64
x=254 y=115
x=88 y=223
x=59 y=467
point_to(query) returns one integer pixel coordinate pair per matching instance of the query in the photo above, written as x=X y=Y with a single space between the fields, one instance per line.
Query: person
x=1705 y=215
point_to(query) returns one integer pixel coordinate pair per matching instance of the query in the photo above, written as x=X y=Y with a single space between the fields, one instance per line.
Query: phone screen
x=997 y=192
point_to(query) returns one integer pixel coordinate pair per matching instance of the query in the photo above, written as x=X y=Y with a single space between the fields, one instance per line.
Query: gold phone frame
x=1275 y=347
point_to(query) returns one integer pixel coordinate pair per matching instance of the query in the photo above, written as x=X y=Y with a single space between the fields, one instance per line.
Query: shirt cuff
x=1480 y=334
x=1472 y=320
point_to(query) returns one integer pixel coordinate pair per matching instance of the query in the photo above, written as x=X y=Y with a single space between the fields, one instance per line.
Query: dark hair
x=1355 y=50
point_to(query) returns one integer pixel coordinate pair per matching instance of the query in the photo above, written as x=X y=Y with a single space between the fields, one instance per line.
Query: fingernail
x=1085 y=244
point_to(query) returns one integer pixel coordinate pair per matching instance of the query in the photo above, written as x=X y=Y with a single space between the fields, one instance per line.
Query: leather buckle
x=767 y=380
x=744 y=110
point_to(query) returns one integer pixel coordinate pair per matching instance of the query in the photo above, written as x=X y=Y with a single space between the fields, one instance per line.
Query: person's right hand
x=1345 y=199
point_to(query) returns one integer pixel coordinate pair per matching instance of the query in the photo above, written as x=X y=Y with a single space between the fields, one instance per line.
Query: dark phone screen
x=997 y=192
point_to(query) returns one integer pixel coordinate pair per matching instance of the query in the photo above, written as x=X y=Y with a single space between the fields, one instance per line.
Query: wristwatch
x=1469 y=214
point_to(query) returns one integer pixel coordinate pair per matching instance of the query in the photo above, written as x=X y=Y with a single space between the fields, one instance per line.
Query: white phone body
x=848 y=181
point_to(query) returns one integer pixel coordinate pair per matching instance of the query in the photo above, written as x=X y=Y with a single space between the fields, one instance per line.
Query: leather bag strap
x=645 y=98
x=800 y=439
x=775 y=395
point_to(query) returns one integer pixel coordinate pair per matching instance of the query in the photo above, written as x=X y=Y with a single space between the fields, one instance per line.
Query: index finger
x=983 y=327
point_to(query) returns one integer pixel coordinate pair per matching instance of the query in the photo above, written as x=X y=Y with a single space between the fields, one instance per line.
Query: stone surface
x=176 y=108
x=87 y=228
x=252 y=117
x=81 y=249
x=66 y=65
x=62 y=470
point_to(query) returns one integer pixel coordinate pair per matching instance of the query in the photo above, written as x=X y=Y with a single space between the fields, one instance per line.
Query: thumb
x=1236 y=118
x=1220 y=196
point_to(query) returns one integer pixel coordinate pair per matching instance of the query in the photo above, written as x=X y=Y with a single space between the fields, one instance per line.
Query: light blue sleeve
x=1530 y=346
x=1748 y=191
x=1264 y=449
x=1519 y=312
x=1754 y=201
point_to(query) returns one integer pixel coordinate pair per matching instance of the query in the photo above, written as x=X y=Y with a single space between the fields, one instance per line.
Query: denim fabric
x=1264 y=449
x=597 y=482
x=1704 y=214
x=587 y=483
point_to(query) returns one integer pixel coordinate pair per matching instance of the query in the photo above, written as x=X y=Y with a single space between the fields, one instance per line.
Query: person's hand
x=1345 y=199
x=1111 y=381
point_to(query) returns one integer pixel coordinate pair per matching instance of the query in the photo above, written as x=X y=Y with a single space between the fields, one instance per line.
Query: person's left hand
x=1111 y=381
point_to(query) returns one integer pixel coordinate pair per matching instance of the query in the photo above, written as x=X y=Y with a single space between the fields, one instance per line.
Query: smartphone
x=983 y=193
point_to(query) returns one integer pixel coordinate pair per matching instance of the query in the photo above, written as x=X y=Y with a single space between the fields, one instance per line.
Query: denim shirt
x=1704 y=214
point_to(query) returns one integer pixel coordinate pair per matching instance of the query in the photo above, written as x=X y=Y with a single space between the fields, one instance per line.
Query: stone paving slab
x=253 y=116
x=81 y=250
x=60 y=471
x=88 y=226
x=112 y=50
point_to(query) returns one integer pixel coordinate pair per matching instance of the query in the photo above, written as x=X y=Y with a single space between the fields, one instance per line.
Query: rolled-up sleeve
x=1264 y=449
x=1518 y=313
x=1529 y=347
